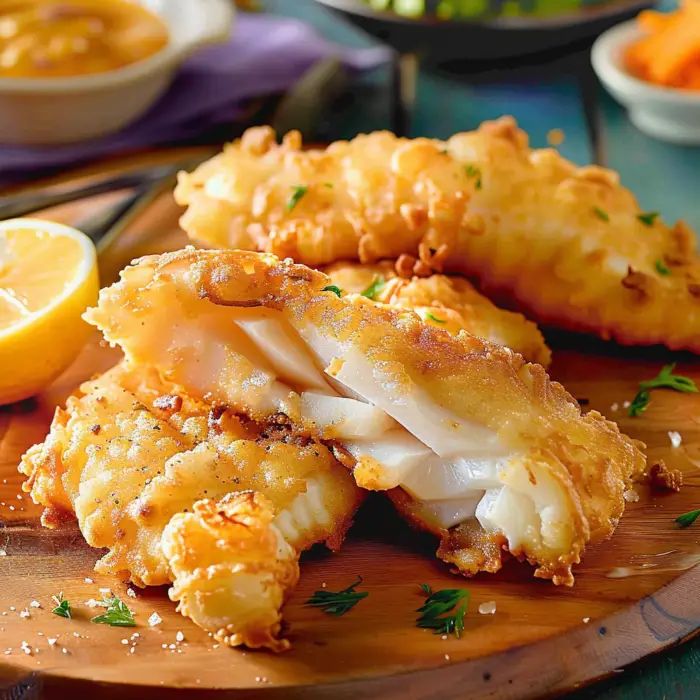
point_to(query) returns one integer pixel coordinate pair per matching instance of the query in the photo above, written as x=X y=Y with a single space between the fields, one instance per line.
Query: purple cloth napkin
x=265 y=55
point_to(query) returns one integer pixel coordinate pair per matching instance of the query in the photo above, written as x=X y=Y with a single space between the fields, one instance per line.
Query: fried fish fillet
x=482 y=448
x=184 y=491
x=451 y=303
x=569 y=246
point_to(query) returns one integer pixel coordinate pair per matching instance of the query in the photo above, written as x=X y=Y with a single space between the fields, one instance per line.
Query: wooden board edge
x=551 y=666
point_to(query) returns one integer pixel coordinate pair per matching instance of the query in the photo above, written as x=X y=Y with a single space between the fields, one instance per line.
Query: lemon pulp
x=48 y=277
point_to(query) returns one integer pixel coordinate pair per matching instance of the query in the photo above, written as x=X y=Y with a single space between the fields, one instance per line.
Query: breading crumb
x=631 y=496
x=661 y=478
x=555 y=137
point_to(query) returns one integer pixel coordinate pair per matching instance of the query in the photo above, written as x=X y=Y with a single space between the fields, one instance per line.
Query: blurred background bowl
x=498 y=30
x=77 y=108
x=666 y=113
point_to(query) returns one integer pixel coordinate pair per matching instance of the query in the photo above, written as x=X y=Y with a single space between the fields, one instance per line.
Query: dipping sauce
x=55 y=38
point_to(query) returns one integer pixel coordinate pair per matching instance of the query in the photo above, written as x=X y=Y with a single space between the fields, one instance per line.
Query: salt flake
x=488 y=608
x=675 y=438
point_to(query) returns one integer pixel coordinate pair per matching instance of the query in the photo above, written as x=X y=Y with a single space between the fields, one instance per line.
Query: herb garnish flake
x=62 y=608
x=666 y=379
x=337 y=603
x=298 y=191
x=443 y=611
x=116 y=614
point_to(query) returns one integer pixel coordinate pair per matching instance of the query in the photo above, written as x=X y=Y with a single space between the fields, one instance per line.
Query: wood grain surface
x=634 y=595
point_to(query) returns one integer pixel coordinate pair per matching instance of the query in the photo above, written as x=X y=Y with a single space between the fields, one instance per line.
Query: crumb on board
x=675 y=437
x=631 y=496
x=661 y=478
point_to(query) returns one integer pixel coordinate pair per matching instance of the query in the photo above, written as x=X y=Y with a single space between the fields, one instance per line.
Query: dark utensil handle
x=21 y=204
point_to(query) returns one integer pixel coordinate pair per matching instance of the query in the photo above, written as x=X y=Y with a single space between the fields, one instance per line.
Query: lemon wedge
x=48 y=277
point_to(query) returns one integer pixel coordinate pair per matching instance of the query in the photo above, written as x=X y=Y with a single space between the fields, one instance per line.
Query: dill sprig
x=298 y=191
x=687 y=519
x=333 y=288
x=116 y=614
x=374 y=288
x=62 y=608
x=666 y=379
x=443 y=611
x=340 y=602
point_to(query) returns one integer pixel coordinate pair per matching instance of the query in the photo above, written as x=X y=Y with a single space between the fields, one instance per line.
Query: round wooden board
x=634 y=595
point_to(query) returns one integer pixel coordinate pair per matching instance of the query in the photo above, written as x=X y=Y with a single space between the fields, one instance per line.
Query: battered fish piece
x=569 y=246
x=451 y=303
x=480 y=442
x=185 y=491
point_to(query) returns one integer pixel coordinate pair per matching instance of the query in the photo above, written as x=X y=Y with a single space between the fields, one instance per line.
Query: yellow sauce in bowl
x=62 y=38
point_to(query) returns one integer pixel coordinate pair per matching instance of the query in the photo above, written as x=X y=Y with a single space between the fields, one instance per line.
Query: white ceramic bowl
x=65 y=110
x=666 y=113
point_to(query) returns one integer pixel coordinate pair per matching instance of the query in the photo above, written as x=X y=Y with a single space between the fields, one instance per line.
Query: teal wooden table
x=664 y=177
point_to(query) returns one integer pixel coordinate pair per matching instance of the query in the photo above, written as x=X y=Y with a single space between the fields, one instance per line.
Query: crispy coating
x=564 y=473
x=232 y=569
x=130 y=453
x=568 y=245
x=451 y=303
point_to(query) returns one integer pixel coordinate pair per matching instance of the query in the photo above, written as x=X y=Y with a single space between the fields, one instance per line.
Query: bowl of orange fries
x=652 y=66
